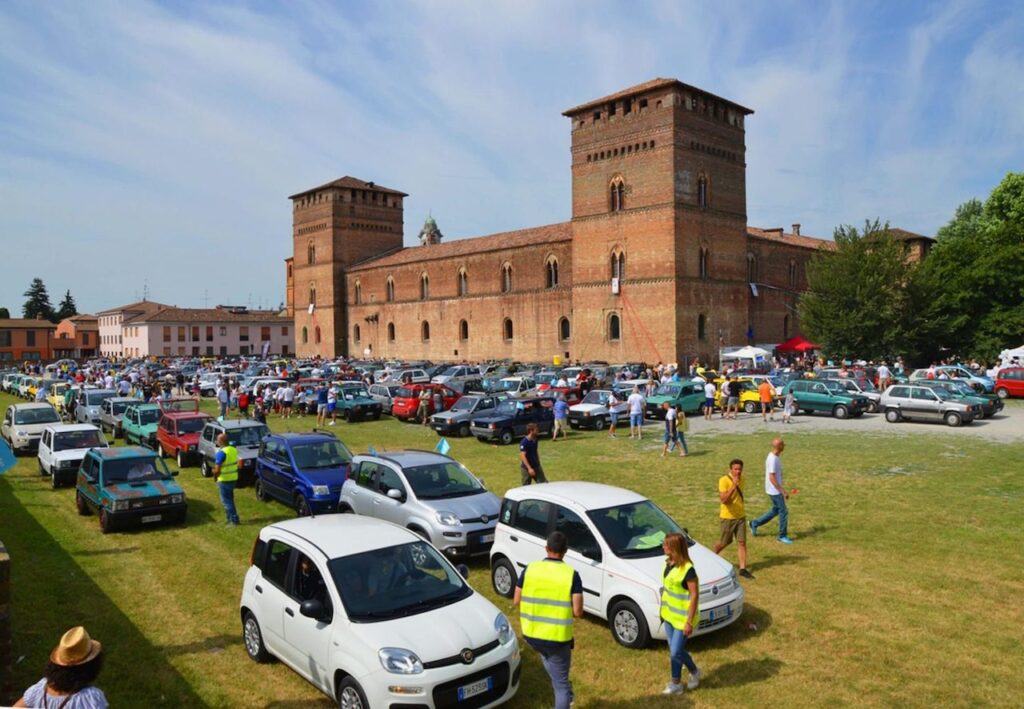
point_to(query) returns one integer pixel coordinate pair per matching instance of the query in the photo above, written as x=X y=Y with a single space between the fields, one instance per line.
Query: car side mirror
x=312 y=608
x=592 y=553
x=463 y=571
x=396 y=494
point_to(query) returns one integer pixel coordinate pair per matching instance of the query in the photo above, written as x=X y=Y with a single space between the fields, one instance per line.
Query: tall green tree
x=38 y=303
x=4 y=314
x=862 y=299
x=67 y=307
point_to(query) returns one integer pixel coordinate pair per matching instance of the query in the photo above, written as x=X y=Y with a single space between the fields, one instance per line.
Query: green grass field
x=904 y=586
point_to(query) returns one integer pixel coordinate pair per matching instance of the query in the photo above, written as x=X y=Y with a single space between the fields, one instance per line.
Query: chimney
x=796 y=230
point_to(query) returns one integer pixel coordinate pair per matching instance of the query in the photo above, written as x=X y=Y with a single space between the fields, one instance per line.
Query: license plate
x=719 y=613
x=151 y=518
x=484 y=538
x=471 y=690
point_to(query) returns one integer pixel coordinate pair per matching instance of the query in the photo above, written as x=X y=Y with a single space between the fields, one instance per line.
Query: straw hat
x=75 y=648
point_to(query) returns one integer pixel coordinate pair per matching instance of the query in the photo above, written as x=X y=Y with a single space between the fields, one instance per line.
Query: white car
x=515 y=386
x=62 y=448
x=381 y=620
x=615 y=538
x=593 y=411
x=456 y=373
x=23 y=424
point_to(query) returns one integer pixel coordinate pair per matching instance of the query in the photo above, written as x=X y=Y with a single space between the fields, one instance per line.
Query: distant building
x=22 y=339
x=110 y=322
x=77 y=337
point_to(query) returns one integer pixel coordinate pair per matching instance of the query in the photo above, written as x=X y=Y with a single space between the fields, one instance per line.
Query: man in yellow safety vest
x=549 y=595
x=225 y=474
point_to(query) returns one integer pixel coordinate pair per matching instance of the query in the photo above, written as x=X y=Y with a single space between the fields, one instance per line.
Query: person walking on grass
x=321 y=405
x=423 y=411
x=788 y=407
x=332 y=405
x=561 y=411
x=776 y=493
x=672 y=436
x=636 y=403
x=765 y=393
x=613 y=413
x=225 y=474
x=679 y=611
x=530 y=469
x=733 y=515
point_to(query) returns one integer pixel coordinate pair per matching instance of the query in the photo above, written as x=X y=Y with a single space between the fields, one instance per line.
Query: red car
x=177 y=433
x=572 y=395
x=406 y=400
x=1010 y=382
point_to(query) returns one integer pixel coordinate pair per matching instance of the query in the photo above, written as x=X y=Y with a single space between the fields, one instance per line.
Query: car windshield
x=40 y=415
x=962 y=388
x=545 y=378
x=942 y=394
x=247 y=436
x=406 y=393
x=509 y=384
x=134 y=470
x=118 y=407
x=834 y=386
x=634 y=530
x=395 y=582
x=506 y=408
x=450 y=372
x=322 y=454
x=668 y=390
x=71 y=440
x=191 y=425
x=149 y=416
x=353 y=393
x=599 y=398
x=436 y=482
x=96 y=398
x=866 y=385
x=466 y=403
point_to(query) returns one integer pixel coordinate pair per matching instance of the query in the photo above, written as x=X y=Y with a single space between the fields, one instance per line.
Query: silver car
x=384 y=394
x=864 y=388
x=429 y=493
x=906 y=402
x=455 y=421
x=244 y=435
x=112 y=411
x=90 y=403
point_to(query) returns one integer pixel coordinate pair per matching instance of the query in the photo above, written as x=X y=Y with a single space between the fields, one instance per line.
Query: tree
x=863 y=300
x=38 y=303
x=5 y=314
x=67 y=307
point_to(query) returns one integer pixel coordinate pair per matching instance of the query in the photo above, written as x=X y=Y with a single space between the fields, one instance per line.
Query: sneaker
x=331 y=423
x=785 y=540
x=694 y=680
x=746 y=574
x=673 y=688
x=753 y=528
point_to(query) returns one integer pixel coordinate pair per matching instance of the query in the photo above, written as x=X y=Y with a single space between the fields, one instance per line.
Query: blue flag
x=7 y=459
x=443 y=446
x=371 y=450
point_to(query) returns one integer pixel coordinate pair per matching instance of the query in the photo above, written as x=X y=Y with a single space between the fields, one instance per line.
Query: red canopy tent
x=796 y=344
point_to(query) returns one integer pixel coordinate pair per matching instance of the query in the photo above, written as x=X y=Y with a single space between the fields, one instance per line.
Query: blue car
x=303 y=470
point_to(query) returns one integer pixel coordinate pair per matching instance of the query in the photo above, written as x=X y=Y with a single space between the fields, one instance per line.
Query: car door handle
x=290 y=612
x=514 y=538
x=259 y=589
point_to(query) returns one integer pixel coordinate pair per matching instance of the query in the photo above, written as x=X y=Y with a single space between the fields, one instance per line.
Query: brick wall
x=6 y=657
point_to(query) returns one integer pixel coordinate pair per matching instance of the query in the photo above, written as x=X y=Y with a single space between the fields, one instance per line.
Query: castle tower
x=430 y=234
x=659 y=223
x=335 y=226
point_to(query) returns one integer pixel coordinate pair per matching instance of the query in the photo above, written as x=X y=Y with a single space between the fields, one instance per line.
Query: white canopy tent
x=1006 y=357
x=748 y=352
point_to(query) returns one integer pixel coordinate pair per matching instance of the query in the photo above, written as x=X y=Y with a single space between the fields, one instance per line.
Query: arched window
x=785 y=328
x=389 y=290
x=617 y=194
x=552 y=272
x=463 y=282
x=618 y=265
x=305 y=336
x=702 y=192
x=424 y=287
x=312 y=293
x=792 y=273
x=506 y=329
x=614 y=328
x=506 y=278
x=358 y=292
x=564 y=329
x=311 y=252
x=704 y=263
x=701 y=327
x=751 y=268
x=355 y=333
x=316 y=335
x=391 y=332
x=425 y=331
x=463 y=330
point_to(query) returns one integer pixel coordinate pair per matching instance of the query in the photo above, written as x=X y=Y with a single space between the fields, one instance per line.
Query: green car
x=355 y=402
x=128 y=486
x=688 y=396
x=960 y=390
x=139 y=424
x=810 y=395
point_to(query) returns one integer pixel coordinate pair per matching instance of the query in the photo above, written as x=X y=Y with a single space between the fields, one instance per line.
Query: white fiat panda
x=615 y=538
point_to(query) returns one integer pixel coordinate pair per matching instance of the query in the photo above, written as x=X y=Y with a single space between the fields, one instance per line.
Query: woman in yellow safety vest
x=679 y=597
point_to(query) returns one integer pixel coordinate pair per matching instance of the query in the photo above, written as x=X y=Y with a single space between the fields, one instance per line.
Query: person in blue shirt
x=321 y=404
x=561 y=410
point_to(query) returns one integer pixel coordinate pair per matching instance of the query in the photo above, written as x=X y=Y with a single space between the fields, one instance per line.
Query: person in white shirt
x=561 y=383
x=709 y=399
x=287 y=399
x=613 y=414
x=884 y=375
x=773 y=487
x=636 y=403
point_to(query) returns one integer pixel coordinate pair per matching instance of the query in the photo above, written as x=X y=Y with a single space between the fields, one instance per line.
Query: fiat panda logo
x=714 y=590
x=467 y=656
x=484 y=518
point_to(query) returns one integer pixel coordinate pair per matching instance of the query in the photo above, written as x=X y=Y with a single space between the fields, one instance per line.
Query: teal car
x=355 y=402
x=139 y=424
x=828 y=396
x=127 y=487
x=960 y=390
x=687 y=395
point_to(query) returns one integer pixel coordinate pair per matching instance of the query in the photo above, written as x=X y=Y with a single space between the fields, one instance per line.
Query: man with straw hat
x=73 y=667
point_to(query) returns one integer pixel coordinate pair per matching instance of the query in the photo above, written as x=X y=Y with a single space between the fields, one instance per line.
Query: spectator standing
x=530 y=469
x=765 y=393
x=287 y=400
x=789 y=407
x=613 y=413
x=332 y=405
x=776 y=493
x=636 y=403
x=732 y=514
x=672 y=431
x=423 y=411
x=321 y=404
x=884 y=375
x=709 y=399
x=561 y=411
x=68 y=682
x=734 y=397
x=225 y=474
x=222 y=399
x=679 y=595
x=243 y=403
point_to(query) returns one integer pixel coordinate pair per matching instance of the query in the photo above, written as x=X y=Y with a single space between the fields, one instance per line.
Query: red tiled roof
x=141 y=306
x=807 y=242
x=349 y=182
x=204 y=315
x=647 y=86
x=462 y=247
x=25 y=324
x=904 y=235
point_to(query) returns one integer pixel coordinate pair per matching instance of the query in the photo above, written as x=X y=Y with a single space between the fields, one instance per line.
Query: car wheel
x=253 y=639
x=503 y=578
x=750 y=408
x=42 y=470
x=599 y=424
x=348 y=416
x=180 y=459
x=840 y=411
x=376 y=416
x=873 y=407
x=574 y=426
x=204 y=469
x=892 y=416
x=261 y=491
x=106 y=524
x=53 y=480
x=953 y=419
x=628 y=625
x=81 y=504
x=1002 y=392
x=350 y=695
x=506 y=437
x=160 y=450
x=464 y=431
x=301 y=506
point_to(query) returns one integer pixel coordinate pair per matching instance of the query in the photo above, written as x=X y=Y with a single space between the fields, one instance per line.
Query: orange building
x=77 y=337
x=22 y=340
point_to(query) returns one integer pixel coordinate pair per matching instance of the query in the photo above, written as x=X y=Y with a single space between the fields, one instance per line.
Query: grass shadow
x=739 y=631
x=655 y=701
x=737 y=674
x=215 y=643
x=105 y=552
x=776 y=560
x=815 y=530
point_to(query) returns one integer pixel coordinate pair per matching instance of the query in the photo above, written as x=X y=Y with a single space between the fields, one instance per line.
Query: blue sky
x=147 y=144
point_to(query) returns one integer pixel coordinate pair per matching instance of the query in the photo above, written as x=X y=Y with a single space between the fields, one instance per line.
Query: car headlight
x=587 y=414
x=448 y=519
x=493 y=426
x=191 y=449
x=21 y=434
x=119 y=505
x=321 y=490
x=177 y=499
x=399 y=661
x=503 y=628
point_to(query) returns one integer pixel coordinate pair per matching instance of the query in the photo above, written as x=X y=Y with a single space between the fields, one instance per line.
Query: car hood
x=333 y=477
x=588 y=408
x=152 y=488
x=32 y=428
x=468 y=623
x=710 y=567
x=359 y=401
x=71 y=454
x=468 y=507
x=449 y=416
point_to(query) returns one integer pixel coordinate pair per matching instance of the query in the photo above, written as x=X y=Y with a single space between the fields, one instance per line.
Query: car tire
x=260 y=490
x=952 y=419
x=893 y=416
x=503 y=578
x=873 y=407
x=481 y=439
x=464 y=431
x=506 y=437
x=180 y=459
x=840 y=411
x=750 y=408
x=106 y=524
x=628 y=625
x=301 y=506
x=53 y=480
x=82 y=505
x=376 y=416
x=574 y=426
x=350 y=695
x=599 y=424
x=42 y=470
x=252 y=638
x=204 y=468
x=1002 y=392
x=160 y=450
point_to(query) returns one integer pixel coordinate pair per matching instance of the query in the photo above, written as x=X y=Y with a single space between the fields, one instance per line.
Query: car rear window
x=403 y=392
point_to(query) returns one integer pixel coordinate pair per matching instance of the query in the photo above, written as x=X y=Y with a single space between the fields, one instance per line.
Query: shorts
x=331 y=408
x=286 y=404
x=709 y=403
x=733 y=529
x=734 y=401
x=613 y=417
x=321 y=408
x=636 y=420
x=669 y=437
